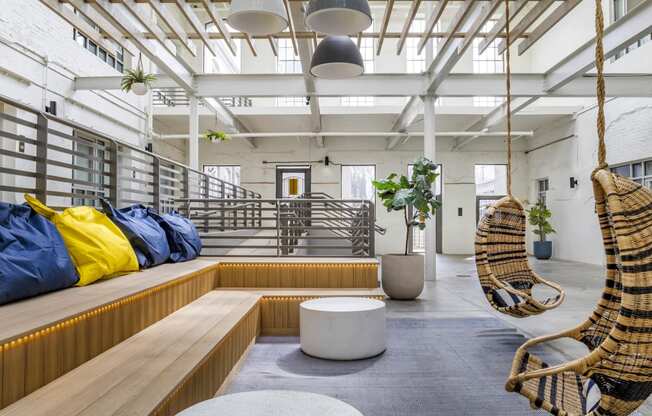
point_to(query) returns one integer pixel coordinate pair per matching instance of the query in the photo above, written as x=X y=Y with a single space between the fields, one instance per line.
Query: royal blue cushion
x=182 y=235
x=144 y=233
x=33 y=257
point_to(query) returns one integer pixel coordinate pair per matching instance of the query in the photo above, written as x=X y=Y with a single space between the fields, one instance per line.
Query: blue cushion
x=182 y=236
x=33 y=257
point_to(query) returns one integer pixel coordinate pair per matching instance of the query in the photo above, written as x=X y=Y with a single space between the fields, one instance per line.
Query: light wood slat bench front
x=279 y=308
x=44 y=337
x=178 y=361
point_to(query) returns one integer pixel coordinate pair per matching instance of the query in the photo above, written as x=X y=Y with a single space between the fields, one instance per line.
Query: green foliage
x=415 y=192
x=216 y=136
x=135 y=76
x=539 y=215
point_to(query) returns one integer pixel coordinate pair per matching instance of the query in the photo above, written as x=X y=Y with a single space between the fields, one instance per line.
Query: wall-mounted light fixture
x=573 y=182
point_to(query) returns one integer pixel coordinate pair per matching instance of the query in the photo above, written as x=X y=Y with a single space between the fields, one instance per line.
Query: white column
x=193 y=135
x=429 y=152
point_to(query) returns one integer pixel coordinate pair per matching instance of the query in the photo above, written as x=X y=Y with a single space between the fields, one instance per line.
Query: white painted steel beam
x=524 y=133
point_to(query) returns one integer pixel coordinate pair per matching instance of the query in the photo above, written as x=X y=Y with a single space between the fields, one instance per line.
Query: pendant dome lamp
x=336 y=57
x=338 y=17
x=258 y=17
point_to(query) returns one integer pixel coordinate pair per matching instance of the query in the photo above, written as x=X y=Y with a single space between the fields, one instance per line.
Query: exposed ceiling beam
x=197 y=25
x=170 y=20
x=293 y=35
x=383 y=26
x=412 y=109
x=525 y=133
x=165 y=61
x=551 y=20
x=250 y=43
x=146 y=20
x=623 y=32
x=501 y=24
x=431 y=23
x=528 y=20
x=365 y=35
x=105 y=26
x=78 y=23
x=389 y=85
x=219 y=24
x=493 y=118
x=273 y=43
x=414 y=8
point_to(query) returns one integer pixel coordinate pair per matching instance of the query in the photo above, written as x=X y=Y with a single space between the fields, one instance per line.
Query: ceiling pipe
x=362 y=134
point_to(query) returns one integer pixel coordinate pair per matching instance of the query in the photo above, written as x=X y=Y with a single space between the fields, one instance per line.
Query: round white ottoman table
x=342 y=328
x=272 y=403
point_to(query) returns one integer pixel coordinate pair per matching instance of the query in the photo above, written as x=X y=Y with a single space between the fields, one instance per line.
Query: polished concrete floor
x=457 y=293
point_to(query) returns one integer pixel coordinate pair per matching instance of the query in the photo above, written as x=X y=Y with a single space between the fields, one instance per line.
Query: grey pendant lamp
x=258 y=17
x=336 y=57
x=338 y=17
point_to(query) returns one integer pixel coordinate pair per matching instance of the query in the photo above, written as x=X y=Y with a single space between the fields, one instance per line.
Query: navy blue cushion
x=144 y=233
x=182 y=235
x=33 y=257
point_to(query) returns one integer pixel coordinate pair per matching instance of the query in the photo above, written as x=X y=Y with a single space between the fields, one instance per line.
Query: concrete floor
x=457 y=293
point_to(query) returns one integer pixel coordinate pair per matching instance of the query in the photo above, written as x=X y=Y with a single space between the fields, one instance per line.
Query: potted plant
x=539 y=215
x=214 y=136
x=137 y=80
x=402 y=274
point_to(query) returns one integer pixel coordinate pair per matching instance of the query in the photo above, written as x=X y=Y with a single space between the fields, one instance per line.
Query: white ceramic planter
x=402 y=276
x=139 y=88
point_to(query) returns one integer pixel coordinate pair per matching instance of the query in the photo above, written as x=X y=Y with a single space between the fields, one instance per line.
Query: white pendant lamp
x=338 y=17
x=258 y=17
x=336 y=57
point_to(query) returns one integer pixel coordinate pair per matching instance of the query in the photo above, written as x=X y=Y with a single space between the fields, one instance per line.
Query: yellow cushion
x=97 y=246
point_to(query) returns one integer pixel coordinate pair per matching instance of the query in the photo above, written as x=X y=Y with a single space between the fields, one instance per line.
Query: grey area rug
x=431 y=367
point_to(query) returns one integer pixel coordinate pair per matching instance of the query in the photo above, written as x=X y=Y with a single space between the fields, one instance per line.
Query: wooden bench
x=172 y=364
x=44 y=337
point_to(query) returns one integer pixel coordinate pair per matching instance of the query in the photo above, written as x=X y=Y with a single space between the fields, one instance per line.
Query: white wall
x=629 y=124
x=458 y=177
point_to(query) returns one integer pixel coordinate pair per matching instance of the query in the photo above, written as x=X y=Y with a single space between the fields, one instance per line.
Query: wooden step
x=44 y=337
x=172 y=364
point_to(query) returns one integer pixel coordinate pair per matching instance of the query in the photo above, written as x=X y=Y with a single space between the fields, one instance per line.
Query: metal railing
x=64 y=164
x=284 y=227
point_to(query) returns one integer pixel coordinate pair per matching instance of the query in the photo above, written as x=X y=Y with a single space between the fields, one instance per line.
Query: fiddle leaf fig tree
x=414 y=196
x=539 y=215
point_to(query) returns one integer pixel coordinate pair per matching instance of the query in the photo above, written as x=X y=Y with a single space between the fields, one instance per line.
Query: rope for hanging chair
x=508 y=85
x=600 y=84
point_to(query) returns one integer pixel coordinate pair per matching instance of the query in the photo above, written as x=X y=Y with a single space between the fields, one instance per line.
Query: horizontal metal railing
x=64 y=163
x=283 y=227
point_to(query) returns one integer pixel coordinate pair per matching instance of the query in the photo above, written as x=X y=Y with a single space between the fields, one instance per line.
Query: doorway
x=292 y=181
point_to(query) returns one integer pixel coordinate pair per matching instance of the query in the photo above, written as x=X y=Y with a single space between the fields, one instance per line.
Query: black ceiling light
x=338 y=17
x=336 y=57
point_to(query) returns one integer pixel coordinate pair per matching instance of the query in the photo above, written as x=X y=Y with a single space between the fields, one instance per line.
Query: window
x=367 y=52
x=87 y=173
x=213 y=64
x=356 y=182
x=542 y=190
x=419 y=236
x=620 y=9
x=227 y=173
x=288 y=63
x=488 y=62
x=114 y=58
x=639 y=172
x=416 y=62
x=490 y=185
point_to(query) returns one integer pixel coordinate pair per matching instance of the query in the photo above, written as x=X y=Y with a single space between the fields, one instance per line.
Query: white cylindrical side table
x=342 y=328
x=272 y=403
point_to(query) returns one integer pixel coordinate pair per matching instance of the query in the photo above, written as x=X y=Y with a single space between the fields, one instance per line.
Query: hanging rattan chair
x=500 y=255
x=618 y=333
x=502 y=265
x=615 y=377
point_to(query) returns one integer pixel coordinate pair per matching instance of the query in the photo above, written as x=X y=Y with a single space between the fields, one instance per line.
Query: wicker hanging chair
x=500 y=254
x=502 y=265
x=615 y=377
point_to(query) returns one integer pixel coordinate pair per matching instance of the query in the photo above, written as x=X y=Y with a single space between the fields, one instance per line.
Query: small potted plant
x=539 y=215
x=402 y=274
x=214 y=136
x=137 y=80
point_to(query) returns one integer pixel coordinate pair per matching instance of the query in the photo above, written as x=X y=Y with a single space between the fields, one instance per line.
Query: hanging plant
x=214 y=136
x=137 y=80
